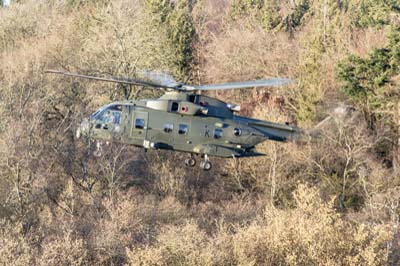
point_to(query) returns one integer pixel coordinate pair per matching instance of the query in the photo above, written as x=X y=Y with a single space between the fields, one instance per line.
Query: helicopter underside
x=204 y=151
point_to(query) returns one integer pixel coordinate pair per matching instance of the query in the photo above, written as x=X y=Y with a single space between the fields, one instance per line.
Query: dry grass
x=311 y=234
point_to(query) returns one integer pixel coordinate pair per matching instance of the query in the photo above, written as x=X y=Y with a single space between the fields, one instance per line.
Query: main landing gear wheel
x=190 y=162
x=206 y=166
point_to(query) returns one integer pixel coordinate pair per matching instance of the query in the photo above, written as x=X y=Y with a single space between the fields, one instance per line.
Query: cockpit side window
x=113 y=117
x=110 y=114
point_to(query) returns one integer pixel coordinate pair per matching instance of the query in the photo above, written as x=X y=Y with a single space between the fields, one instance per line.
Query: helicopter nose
x=83 y=128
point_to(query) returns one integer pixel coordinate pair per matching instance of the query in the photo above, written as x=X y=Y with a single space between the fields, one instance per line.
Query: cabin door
x=139 y=128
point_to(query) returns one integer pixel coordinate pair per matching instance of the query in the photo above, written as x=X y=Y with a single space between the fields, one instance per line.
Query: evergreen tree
x=375 y=13
x=293 y=20
x=367 y=80
x=176 y=20
x=181 y=32
x=159 y=10
x=271 y=18
x=268 y=13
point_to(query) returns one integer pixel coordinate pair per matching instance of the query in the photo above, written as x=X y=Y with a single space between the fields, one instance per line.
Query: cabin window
x=168 y=127
x=108 y=114
x=218 y=133
x=174 y=107
x=139 y=123
x=237 y=132
x=183 y=129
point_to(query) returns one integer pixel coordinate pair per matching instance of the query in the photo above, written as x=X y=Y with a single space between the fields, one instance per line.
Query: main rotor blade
x=160 y=78
x=273 y=82
x=113 y=79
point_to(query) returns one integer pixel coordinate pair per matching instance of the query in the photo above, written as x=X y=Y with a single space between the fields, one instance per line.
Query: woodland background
x=328 y=200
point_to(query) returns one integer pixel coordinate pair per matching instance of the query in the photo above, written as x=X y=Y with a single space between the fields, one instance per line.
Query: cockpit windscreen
x=108 y=114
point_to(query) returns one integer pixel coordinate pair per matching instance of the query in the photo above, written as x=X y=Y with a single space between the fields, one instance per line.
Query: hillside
x=330 y=199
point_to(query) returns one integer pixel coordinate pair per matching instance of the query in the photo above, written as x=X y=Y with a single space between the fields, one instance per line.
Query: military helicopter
x=182 y=120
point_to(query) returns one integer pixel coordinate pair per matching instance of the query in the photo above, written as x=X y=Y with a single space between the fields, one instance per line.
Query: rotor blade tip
x=53 y=71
